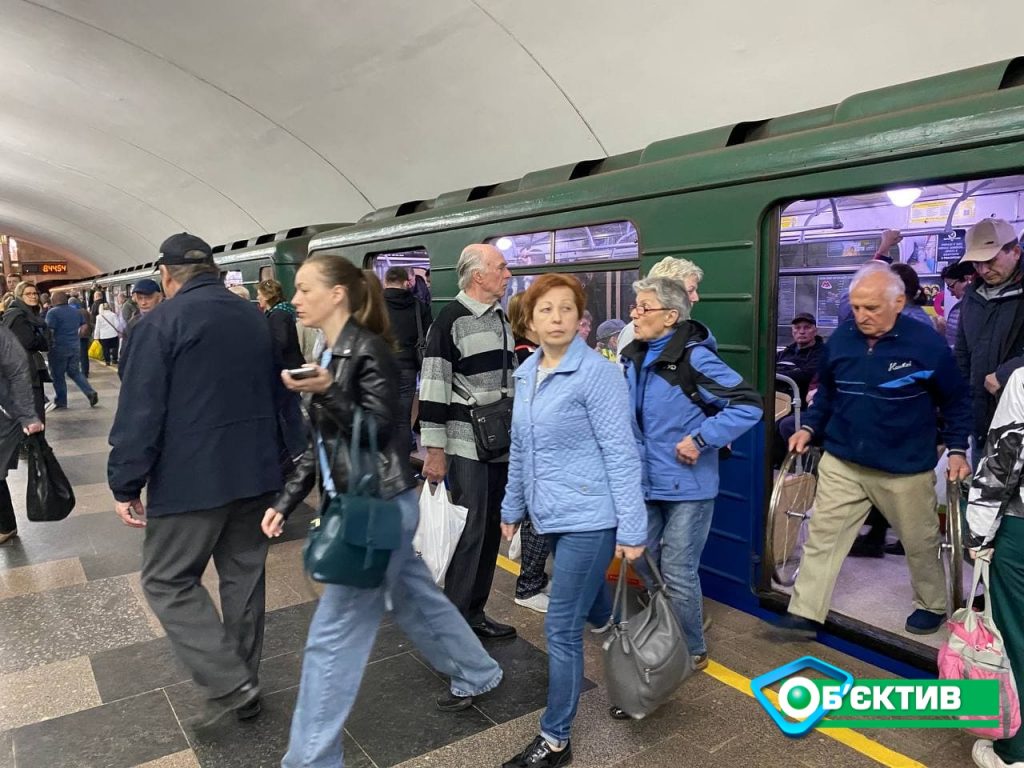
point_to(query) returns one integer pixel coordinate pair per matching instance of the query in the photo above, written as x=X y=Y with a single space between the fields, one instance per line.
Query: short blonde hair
x=679 y=270
x=241 y=291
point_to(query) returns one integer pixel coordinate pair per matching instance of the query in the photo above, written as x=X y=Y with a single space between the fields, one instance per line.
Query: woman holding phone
x=357 y=370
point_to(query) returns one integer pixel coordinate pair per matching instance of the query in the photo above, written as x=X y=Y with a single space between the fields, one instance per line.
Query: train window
x=611 y=241
x=416 y=262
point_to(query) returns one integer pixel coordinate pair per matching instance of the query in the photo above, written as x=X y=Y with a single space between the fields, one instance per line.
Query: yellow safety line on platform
x=856 y=741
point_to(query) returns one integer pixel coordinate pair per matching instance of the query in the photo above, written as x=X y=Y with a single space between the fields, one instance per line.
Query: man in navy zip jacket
x=882 y=378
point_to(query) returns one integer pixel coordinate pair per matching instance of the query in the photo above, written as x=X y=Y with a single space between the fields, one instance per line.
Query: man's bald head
x=876 y=298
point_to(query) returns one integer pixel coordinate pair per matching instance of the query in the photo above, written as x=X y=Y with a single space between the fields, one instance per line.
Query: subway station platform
x=87 y=679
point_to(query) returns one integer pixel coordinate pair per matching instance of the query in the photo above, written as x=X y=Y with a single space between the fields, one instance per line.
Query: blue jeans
x=676 y=534
x=64 y=361
x=341 y=637
x=579 y=593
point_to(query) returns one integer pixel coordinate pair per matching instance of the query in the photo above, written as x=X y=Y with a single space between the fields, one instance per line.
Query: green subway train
x=242 y=262
x=778 y=214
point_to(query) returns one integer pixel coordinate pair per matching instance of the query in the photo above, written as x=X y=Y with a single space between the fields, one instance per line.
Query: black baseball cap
x=182 y=249
x=804 y=317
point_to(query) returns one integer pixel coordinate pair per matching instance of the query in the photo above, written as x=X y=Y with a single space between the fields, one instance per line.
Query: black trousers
x=480 y=487
x=222 y=655
x=8 y=522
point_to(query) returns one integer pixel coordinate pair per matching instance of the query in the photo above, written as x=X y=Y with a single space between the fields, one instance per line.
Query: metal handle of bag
x=620 y=606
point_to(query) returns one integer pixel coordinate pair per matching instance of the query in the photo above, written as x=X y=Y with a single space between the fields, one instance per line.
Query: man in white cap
x=990 y=339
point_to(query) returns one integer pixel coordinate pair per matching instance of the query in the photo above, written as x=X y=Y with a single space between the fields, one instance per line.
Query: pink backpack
x=975 y=651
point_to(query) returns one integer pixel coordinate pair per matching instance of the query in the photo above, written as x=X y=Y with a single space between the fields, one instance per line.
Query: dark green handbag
x=352 y=540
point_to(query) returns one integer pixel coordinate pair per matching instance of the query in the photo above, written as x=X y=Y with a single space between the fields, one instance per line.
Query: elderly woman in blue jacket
x=680 y=438
x=575 y=469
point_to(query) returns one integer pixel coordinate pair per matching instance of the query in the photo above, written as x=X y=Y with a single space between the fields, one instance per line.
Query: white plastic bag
x=439 y=531
x=515 y=547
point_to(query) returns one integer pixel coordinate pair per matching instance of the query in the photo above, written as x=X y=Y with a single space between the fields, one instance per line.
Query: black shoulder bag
x=492 y=423
x=688 y=383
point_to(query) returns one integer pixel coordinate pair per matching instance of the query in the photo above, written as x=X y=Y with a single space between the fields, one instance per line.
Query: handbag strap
x=620 y=605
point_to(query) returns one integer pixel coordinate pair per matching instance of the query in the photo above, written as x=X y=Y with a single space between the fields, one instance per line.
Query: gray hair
x=471 y=261
x=680 y=270
x=894 y=287
x=671 y=294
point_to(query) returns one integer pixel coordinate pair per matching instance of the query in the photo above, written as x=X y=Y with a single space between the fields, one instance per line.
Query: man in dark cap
x=799 y=361
x=145 y=296
x=196 y=426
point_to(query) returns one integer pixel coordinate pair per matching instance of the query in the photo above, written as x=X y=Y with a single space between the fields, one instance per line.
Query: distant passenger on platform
x=281 y=319
x=65 y=324
x=995 y=520
x=468 y=347
x=18 y=417
x=880 y=436
x=410 y=320
x=196 y=427
x=990 y=339
x=84 y=334
x=108 y=331
x=608 y=334
x=957 y=277
x=359 y=371
x=532 y=582
x=22 y=318
x=684 y=272
x=145 y=296
x=241 y=292
x=680 y=439
x=574 y=472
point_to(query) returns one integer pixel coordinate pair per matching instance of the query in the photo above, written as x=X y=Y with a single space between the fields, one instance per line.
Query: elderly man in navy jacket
x=881 y=379
x=196 y=426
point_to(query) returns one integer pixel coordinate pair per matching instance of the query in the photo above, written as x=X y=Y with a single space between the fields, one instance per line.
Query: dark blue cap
x=146 y=287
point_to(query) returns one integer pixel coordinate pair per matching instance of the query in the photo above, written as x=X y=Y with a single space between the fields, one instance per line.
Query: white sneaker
x=50 y=407
x=538 y=602
x=985 y=756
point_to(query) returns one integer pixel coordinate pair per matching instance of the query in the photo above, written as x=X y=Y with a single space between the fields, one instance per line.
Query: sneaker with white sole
x=538 y=602
x=984 y=756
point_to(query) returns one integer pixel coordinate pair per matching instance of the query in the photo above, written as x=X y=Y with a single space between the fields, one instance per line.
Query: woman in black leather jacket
x=358 y=368
x=26 y=323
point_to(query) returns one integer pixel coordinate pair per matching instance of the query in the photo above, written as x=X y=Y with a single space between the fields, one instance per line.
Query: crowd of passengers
x=612 y=454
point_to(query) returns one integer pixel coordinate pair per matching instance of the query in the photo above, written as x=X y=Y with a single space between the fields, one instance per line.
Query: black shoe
x=863 y=547
x=215 y=709
x=540 y=755
x=896 y=548
x=488 y=629
x=922 y=622
x=93 y=399
x=618 y=714
x=250 y=711
x=449 y=702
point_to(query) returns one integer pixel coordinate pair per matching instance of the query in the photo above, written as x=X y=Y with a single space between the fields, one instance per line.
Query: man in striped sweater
x=468 y=346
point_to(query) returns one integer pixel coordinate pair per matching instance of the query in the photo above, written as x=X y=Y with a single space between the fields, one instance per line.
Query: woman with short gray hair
x=687 y=405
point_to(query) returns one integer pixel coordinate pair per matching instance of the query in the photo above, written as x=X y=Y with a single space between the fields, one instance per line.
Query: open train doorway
x=922 y=231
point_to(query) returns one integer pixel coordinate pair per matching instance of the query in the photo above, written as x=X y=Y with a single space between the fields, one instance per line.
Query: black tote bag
x=50 y=496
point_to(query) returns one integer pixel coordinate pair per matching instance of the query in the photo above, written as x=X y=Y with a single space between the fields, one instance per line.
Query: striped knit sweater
x=464 y=345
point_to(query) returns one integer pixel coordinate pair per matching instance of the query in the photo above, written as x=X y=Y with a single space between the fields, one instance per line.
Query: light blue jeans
x=341 y=637
x=579 y=593
x=676 y=534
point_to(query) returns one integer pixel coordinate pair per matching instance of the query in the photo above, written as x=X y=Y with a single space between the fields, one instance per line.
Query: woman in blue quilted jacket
x=574 y=468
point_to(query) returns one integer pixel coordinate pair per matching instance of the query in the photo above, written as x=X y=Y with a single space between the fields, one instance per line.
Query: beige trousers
x=845 y=494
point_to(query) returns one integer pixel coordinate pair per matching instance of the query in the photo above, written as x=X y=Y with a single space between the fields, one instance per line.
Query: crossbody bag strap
x=504 y=353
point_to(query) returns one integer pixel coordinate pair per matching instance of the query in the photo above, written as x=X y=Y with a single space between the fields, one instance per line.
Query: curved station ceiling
x=121 y=123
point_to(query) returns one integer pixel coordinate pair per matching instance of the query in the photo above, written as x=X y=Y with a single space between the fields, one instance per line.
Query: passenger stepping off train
x=882 y=377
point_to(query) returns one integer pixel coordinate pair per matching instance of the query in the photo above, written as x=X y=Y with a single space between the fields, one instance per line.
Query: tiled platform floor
x=87 y=679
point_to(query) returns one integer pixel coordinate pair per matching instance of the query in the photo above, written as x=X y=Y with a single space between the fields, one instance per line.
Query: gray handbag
x=645 y=657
